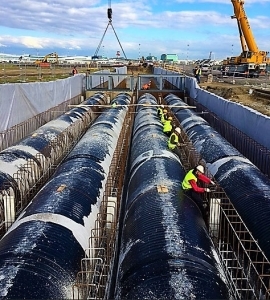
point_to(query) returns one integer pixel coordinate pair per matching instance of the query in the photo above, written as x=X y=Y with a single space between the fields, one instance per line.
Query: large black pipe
x=16 y=175
x=165 y=252
x=41 y=253
x=246 y=186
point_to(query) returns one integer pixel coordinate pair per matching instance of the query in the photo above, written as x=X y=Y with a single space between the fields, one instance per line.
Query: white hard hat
x=162 y=106
x=177 y=129
x=200 y=168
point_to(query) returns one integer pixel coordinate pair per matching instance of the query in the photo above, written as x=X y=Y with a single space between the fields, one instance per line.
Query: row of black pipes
x=41 y=253
x=165 y=249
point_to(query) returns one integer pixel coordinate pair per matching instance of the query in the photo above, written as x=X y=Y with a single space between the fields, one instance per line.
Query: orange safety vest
x=145 y=86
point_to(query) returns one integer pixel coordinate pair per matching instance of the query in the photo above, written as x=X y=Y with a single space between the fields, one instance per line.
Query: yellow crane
x=255 y=60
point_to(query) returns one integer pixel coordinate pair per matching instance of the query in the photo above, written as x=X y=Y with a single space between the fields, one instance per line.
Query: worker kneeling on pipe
x=168 y=127
x=160 y=111
x=173 y=142
x=191 y=188
x=164 y=116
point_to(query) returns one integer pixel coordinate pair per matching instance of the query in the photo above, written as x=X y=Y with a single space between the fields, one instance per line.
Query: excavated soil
x=239 y=93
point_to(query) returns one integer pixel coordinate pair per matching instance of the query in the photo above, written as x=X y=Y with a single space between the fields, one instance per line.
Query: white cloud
x=159 y=27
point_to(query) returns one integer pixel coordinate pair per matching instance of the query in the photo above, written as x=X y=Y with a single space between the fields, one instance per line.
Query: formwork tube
x=22 y=165
x=41 y=253
x=165 y=252
x=246 y=186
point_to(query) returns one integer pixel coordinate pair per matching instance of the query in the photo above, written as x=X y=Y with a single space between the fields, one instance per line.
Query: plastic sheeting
x=21 y=101
x=249 y=121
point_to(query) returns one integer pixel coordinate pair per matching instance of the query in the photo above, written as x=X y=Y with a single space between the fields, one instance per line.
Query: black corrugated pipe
x=246 y=186
x=166 y=252
x=41 y=253
x=37 y=146
x=25 y=166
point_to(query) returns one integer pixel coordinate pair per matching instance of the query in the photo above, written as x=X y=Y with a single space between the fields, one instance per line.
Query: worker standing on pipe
x=173 y=142
x=190 y=187
x=167 y=126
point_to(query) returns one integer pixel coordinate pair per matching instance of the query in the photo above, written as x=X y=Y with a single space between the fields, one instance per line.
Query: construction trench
x=244 y=264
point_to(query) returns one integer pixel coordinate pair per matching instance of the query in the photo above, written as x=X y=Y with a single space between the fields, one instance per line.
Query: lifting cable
x=109 y=14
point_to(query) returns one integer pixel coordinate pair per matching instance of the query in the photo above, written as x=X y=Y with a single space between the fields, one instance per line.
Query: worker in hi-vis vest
x=164 y=116
x=191 y=188
x=167 y=126
x=160 y=110
x=173 y=142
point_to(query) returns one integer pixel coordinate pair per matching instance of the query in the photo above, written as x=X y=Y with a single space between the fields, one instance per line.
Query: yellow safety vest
x=163 y=118
x=189 y=176
x=198 y=72
x=167 y=126
x=172 y=146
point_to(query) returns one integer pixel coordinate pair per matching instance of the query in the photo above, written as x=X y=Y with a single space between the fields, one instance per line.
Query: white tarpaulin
x=21 y=101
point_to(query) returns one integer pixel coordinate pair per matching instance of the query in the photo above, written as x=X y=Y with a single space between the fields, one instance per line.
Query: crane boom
x=251 y=62
x=240 y=15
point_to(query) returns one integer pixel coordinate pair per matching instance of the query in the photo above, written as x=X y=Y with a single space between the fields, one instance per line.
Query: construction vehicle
x=252 y=62
x=51 y=58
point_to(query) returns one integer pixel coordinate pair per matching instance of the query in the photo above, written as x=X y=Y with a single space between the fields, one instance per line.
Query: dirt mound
x=227 y=91
x=238 y=93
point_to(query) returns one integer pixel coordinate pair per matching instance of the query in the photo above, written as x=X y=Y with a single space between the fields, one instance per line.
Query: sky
x=191 y=29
